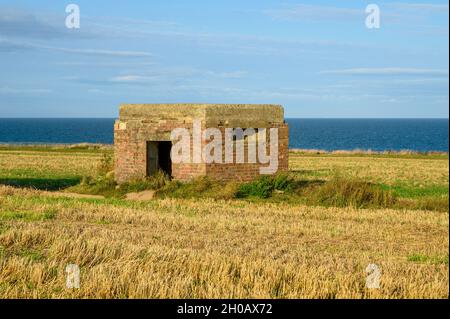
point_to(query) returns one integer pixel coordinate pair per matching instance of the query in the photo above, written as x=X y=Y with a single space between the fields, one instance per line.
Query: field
x=205 y=247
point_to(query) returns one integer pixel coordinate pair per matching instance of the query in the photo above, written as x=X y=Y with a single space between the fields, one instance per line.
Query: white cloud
x=391 y=12
x=115 y=64
x=133 y=79
x=315 y=12
x=388 y=71
x=173 y=74
x=100 y=52
x=422 y=7
x=7 y=45
x=9 y=90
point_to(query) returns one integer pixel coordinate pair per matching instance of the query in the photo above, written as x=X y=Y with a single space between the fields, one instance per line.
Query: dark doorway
x=164 y=161
x=158 y=157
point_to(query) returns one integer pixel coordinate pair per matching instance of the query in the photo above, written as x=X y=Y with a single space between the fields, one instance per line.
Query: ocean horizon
x=377 y=134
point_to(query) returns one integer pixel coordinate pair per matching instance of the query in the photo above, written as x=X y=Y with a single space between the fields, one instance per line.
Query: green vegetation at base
x=337 y=192
x=405 y=180
x=105 y=185
x=342 y=192
x=408 y=191
x=26 y=253
x=29 y=216
x=197 y=188
x=46 y=183
x=421 y=258
x=69 y=148
x=265 y=186
x=431 y=197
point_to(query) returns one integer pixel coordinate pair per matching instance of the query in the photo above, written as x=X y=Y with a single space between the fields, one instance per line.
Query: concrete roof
x=211 y=113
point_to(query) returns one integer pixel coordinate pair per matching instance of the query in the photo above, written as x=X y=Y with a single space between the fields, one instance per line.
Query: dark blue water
x=326 y=134
x=376 y=134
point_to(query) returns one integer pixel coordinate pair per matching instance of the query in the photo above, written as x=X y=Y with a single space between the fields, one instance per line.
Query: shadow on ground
x=47 y=184
x=301 y=184
x=310 y=171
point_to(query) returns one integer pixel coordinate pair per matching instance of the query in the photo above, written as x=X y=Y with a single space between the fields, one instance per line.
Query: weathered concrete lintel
x=231 y=115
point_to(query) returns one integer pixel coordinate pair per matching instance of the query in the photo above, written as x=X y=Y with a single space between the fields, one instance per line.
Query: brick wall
x=249 y=171
x=131 y=138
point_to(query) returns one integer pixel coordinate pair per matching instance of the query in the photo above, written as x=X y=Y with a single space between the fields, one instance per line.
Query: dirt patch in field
x=73 y=195
x=141 y=196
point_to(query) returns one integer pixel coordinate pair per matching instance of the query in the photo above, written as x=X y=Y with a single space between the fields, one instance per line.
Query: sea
x=421 y=135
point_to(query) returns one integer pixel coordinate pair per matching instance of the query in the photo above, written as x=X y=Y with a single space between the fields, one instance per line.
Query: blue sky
x=316 y=58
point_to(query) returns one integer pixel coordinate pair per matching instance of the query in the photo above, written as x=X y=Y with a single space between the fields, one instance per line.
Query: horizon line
x=306 y=118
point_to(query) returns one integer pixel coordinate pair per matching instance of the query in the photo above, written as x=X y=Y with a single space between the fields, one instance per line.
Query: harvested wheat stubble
x=175 y=248
x=205 y=248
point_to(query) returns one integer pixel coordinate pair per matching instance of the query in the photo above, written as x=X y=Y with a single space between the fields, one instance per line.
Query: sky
x=316 y=58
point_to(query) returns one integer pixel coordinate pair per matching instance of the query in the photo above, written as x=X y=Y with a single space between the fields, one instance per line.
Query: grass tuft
x=29 y=216
x=421 y=258
x=264 y=186
x=342 y=192
x=105 y=165
x=199 y=187
x=106 y=186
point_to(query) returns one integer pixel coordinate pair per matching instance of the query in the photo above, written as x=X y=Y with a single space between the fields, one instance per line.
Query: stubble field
x=208 y=248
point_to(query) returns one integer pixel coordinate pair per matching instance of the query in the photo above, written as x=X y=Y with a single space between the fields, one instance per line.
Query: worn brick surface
x=139 y=123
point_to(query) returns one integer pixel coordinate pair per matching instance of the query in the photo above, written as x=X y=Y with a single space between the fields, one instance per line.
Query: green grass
x=291 y=188
x=95 y=186
x=80 y=148
x=421 y=258
x=28 y=216
x=44 y=183
x=338 y=192
x=433 y=197
x=265 y=186
x=105 y=185
x=197 y=188
x=3 y=228
x=408 y=191
x=406 y=155
x=28 y=253
x=343 y=192
x=31 y=254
